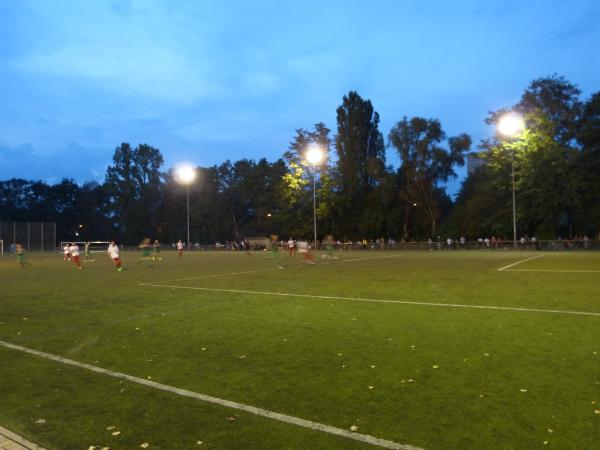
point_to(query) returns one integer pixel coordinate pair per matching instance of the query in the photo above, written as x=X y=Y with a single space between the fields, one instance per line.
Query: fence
x=34 y=236
x=545 y=245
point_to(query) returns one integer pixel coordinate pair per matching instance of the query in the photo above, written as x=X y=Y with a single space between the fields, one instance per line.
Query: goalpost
x=93 y=246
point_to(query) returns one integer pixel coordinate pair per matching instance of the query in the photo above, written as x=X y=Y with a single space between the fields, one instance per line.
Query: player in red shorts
x=74 y=251
x=113 y=252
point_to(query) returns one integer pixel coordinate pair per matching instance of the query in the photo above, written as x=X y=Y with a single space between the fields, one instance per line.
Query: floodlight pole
x=188 y=213
x=514 y=203
x=315 y=203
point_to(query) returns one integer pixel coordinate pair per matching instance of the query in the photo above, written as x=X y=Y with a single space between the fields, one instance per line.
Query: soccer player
x=87 y=255
x=180 y=248
x=113 y=253
x=275 y=250
x=329 y=242
x=21 y=257
x=156 y=248
x=74 y=251
x=67 y=254
x=304 y=250
x=146 y=249
x=291 y=246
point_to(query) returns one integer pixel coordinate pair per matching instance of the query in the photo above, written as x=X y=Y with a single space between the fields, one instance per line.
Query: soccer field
x=440 y=350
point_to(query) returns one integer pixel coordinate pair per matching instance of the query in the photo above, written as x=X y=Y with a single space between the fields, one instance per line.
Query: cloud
x=72 y=161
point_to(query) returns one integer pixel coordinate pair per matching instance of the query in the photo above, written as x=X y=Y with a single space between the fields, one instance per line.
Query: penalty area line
x=520 y=262
x=372 y=440
x=379 y=300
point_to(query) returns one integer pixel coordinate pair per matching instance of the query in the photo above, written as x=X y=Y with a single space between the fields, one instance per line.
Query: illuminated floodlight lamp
x=511 y=124
x=314 y=155
x=185 y=174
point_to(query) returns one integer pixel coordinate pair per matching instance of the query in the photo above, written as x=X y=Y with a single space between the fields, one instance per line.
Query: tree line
x=359 y=195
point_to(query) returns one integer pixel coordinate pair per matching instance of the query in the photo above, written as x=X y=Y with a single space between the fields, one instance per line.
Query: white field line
x=520 y=262
x=553 y=270
x=214 y=275
x=219 y=401
x=377 y=300
x=372 y=257
x=18 y=439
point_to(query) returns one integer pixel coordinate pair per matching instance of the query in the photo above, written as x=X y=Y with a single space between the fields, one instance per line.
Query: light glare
x=185 y=174
x=511 y=125
x=314 y=155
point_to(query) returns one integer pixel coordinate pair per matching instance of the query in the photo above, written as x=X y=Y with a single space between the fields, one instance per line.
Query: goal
x=94 y=246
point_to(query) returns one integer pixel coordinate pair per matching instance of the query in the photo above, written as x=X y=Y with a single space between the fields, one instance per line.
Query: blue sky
x=206 y=81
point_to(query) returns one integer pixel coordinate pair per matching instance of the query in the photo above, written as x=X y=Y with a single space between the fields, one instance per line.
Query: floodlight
x=185 y=174
x=511 y=124
x=314 y=155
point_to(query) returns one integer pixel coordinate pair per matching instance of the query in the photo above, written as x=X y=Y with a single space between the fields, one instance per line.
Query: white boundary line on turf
x=219 y=401
x=4 y=432
x=214 y=275
x=552 y=270
x=520 y=262
x=376 y=300
x=371 y=257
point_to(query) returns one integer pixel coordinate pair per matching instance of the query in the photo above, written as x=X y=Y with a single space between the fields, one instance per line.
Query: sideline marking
x=219 y=401
x=214 y=275
x=520 y=262
x=18 y=439
x=552 y=270
x=375 y=300
x=372 y=257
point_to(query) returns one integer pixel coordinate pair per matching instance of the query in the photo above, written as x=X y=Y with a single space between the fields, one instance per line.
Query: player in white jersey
x=304 y=250
x=180 y=248
x=67 y=255
x=291 y=246
x=113 y=253
x=74 y=251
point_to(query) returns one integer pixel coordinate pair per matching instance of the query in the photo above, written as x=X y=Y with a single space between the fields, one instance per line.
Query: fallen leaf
x=231 y=419
x=436 y=366
x=354 y=428
x=523 y=390
x=597 y=411
x=116 y=433
x=372 y=367
x=199 y=442
x=550 y=430
x=371 y=387
x=145 y=445
x=111 y=428
x=40 y=421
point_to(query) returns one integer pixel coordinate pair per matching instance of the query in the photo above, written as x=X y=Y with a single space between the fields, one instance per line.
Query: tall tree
x=360 y=166
x=297 y=182
x=134 y=183
x=425 y=164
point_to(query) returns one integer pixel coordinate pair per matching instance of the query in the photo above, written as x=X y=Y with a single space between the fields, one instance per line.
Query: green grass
x=303 y=356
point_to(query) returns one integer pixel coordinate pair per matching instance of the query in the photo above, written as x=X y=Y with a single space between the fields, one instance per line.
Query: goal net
x=258 y=243
x=90 y=246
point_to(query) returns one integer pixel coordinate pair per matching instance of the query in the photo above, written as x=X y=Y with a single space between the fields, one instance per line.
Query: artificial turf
x=435 y=377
